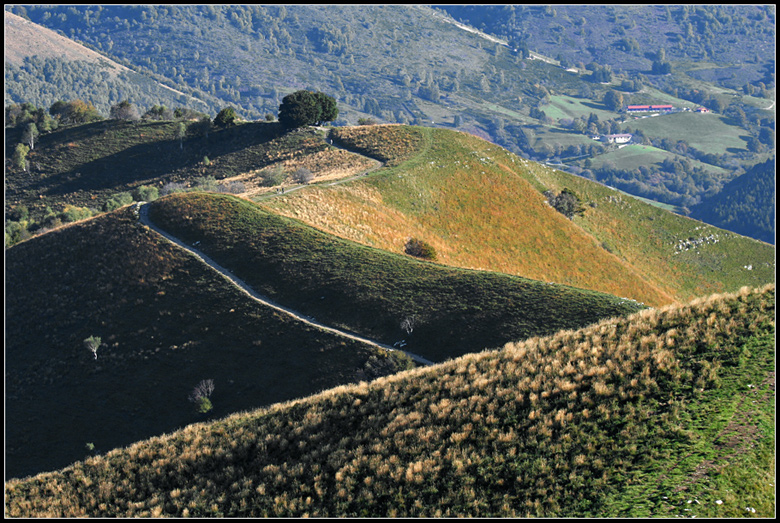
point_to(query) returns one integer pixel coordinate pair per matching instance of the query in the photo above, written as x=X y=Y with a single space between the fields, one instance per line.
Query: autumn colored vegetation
x=629 y=417
x=480 y=206
x=370 y=292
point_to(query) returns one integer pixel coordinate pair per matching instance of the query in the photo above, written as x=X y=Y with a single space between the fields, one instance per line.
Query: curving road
x=142 y=210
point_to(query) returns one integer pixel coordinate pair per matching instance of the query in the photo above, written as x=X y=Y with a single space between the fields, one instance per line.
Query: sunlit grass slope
x=672 y=251
x=370 y=291
x=481 y=206
x=631 y=417
x=166 y=322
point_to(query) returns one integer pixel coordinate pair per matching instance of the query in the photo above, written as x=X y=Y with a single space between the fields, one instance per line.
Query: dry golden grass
x=467 y=199
x=565 y=425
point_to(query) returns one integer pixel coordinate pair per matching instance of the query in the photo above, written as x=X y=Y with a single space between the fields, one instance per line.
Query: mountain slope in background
x=745 y=205
x=38 y=60
x=415 y=64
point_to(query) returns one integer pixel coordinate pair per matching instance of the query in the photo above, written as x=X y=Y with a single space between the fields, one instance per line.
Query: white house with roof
x=617 y=138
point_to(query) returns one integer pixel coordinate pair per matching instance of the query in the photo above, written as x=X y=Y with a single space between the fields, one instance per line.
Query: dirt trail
x=143 y=216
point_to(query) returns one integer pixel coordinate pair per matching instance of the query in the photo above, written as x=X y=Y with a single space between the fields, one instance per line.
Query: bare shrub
x=93 y=344
x=303 y=175
x=419 y=249
x=200 y=395
x=408 y=324
x=204 y=389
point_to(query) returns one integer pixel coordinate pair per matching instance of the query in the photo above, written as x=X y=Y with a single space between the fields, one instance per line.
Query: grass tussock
x=628 y=417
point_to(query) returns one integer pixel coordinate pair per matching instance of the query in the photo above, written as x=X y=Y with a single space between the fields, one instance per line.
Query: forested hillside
x=745 y=205
x=42 y=67
x=544 y=83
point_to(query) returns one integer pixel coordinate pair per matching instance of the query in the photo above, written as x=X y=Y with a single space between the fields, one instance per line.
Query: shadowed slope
x=372 y=292
x=166 y=322
x=628 y=417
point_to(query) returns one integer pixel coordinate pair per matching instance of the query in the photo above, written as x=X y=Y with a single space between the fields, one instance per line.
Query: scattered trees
x=226 y=117
x=566 y=202
x=20 y=156
x=124 y=110
x=75 y=112
x=613 y=100
x=30 y=134
x=158 y=112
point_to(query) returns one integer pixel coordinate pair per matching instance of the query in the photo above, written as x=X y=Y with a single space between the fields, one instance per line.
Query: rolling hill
x=481 y=206
x=167 y=321
x=633 y=417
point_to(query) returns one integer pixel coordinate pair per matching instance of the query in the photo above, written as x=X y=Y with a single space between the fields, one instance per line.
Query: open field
x=564 y=106
x=706 y=132
x=633 y=156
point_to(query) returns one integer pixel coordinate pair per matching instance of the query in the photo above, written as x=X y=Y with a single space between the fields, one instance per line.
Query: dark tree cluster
x=566 y=202
x=303 y=108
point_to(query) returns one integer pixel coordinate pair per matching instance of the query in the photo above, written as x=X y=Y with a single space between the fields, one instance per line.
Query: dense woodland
x=746 y=205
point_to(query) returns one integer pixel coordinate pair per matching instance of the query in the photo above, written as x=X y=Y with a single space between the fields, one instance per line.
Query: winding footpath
x=142 y=209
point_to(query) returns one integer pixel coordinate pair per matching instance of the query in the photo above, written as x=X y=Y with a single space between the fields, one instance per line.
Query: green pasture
x=706 y=132
x=564 y=106
x=634 y=156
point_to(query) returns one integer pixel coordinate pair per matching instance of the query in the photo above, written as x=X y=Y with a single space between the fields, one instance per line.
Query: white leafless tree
x=408 y=324
x=202 y=390
x=93 y=344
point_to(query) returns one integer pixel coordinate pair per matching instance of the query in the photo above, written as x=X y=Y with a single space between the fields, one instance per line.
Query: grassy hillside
x=87 y=165
x=483 y=207
x=633 y=417
x=166 y=322
x=673 y=251
x=372 y=292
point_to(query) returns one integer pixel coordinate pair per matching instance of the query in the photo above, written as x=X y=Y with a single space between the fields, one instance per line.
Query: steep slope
x=371 y=292
x=166 y=322
x=633 y=417
x=746 y=205
x=481 y=206
x=36 y=58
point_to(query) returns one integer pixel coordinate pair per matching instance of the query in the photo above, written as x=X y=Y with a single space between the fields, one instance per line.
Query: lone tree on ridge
x=303 y=108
